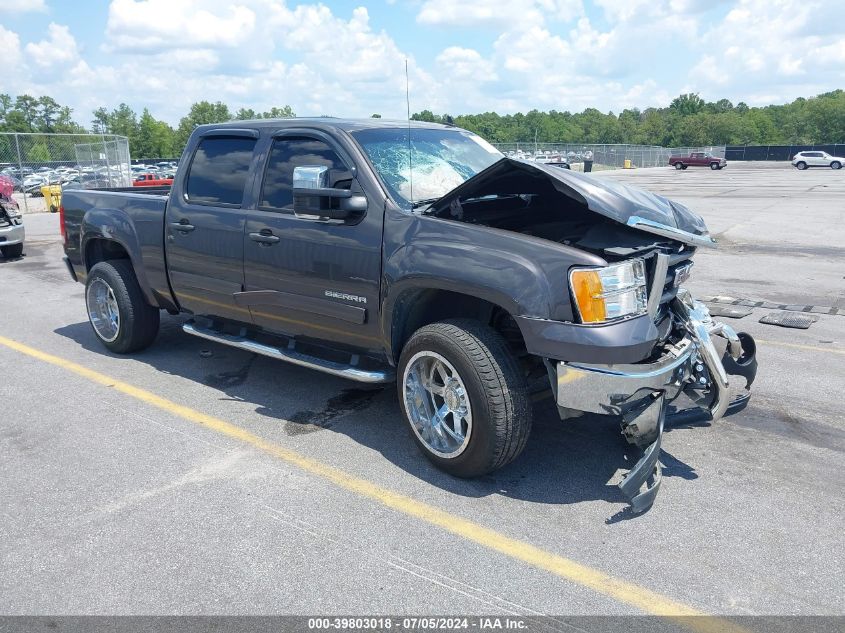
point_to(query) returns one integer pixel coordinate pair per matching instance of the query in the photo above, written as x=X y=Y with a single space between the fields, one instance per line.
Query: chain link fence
x=605 y=156
x=32 y=161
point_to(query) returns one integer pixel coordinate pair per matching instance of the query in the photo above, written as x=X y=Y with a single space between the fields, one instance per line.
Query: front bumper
x=640 y=393
x=11 y=235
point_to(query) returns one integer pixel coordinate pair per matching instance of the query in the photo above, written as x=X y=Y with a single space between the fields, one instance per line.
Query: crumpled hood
x=630 y=206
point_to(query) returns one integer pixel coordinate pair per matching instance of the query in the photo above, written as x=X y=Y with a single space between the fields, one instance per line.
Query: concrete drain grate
x=800 y=321
x=732 y=312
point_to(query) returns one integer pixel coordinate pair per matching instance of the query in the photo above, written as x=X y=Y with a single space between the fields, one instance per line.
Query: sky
x=344 y=58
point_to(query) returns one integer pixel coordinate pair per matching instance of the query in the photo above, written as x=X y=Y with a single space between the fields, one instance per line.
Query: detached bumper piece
x=645 y=430
x=641 y=393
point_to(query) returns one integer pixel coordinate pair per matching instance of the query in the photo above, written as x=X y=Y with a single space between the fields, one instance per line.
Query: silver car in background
x=11 y=229
x=803 y=160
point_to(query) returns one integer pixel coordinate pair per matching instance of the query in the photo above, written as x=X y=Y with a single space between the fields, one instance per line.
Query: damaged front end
x=634 y=341
x=698 y=360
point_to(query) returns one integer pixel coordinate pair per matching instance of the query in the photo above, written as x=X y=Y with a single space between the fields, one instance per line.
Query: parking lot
x=193 y=478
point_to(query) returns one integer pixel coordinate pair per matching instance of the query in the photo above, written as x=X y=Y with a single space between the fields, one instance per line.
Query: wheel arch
x=416 y=307
x=110 y=234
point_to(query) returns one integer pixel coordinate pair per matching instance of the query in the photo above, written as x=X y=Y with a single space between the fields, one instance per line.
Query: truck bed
x=134 y=217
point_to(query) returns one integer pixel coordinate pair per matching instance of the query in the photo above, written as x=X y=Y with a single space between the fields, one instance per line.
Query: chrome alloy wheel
x=102 y=310
x=437 y=403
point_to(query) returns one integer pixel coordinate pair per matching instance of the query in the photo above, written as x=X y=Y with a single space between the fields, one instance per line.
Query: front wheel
x=464 y=396
x=679 y=165
x=836 y=165
x=801 y=165
x=122 y=320
x=714 y=166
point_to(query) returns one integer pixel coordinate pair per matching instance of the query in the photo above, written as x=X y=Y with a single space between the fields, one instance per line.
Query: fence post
x=108 y=164
x=20 y=171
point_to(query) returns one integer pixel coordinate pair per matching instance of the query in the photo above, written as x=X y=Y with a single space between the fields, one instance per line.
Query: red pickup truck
x=151 y=180
x=697 y=159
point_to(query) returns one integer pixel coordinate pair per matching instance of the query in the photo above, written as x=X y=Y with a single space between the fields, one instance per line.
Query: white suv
x=802 y=160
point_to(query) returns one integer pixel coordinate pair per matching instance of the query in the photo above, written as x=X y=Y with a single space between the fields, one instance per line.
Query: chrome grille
x=663 y=267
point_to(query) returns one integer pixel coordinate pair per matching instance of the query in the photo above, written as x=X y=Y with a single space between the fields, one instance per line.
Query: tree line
x=688 y=121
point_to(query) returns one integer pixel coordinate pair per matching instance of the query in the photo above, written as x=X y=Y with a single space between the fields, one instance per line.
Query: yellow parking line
x=809 y=348
x=627 y=592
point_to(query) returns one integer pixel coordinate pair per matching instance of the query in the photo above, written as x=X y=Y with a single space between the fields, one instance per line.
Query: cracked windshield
x=441 y=159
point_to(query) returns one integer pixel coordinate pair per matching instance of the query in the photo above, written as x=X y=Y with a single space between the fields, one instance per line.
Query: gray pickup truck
x=380 y=251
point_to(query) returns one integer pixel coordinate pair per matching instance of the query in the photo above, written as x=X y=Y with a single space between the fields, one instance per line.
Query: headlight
x=612 y=292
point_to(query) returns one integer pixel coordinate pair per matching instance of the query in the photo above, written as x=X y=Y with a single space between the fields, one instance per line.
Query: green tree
x=38 y=153
x=687 y=104
x=201 y=113
x=155 y=139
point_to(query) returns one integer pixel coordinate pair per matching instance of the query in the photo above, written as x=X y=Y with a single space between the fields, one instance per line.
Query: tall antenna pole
x=408 y=104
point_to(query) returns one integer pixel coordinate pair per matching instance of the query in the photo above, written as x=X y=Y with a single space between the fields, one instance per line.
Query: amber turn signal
x=587 y=288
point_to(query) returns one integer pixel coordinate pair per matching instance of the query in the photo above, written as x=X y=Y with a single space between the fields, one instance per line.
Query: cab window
x=219 y=170
x=290 y=152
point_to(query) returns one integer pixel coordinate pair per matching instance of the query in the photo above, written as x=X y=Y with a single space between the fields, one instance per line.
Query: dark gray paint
x=385 y=257
x=608 y=198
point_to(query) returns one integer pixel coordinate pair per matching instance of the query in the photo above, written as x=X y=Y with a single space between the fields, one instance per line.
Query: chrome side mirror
x=310 y=177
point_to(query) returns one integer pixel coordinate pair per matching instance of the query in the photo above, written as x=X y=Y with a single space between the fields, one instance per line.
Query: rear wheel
x=122 y=320
x=679 y=165
x=464 y=396
x=801 y=165
x=836 y=165
x=11 y=252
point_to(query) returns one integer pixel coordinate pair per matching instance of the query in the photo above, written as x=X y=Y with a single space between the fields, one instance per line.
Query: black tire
x=684 y=166
x=836 y=165
x=495 y=386
x=139 y=321
x=679 y=165
x=714 y=166
x=13 y=251
x=801 y=165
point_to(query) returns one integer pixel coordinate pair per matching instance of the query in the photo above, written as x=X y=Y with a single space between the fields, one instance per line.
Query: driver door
x=305 y=276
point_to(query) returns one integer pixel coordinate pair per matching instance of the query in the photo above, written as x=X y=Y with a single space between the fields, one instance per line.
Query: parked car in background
x=803 y=160
x=555 y=160
x=698 y=159
x=152 y=180
x=32 y=184
x=12 y=232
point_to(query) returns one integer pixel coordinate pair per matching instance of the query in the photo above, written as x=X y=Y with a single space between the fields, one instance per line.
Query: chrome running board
x=290 y=355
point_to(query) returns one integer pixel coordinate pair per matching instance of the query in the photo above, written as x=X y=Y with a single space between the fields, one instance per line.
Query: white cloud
x=10 y=44
x=502 y=14
x=58 y=49
x=465 y=64
x=165 y=24
x=782 y=44
x=21 y=6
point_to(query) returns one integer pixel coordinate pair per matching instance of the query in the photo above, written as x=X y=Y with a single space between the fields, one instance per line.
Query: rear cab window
x=219 y=170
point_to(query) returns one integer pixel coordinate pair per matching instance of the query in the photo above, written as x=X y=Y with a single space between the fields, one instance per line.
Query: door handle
x=183 y=226
x=264 y=238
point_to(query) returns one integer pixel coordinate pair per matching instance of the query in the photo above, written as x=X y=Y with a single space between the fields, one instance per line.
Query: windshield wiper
x=416 y=204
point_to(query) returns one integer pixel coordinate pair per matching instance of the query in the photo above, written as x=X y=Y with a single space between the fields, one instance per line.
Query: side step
x=290 y=355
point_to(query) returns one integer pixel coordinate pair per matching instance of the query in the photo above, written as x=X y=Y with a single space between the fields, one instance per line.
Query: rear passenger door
x=204 y=224
x=304 y=276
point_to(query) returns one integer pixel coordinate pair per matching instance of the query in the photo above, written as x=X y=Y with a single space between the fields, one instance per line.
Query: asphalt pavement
x=193 y=478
